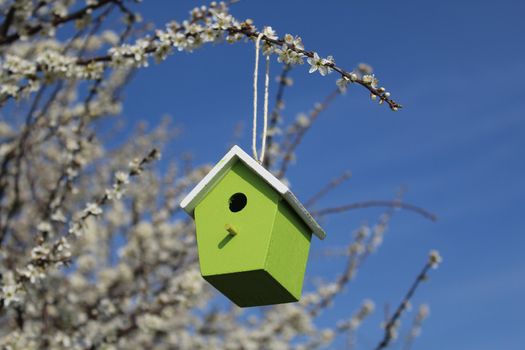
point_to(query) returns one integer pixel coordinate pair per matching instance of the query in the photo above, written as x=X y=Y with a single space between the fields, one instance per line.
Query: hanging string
x=255 y=76
x=265 y=127
x=265 y=110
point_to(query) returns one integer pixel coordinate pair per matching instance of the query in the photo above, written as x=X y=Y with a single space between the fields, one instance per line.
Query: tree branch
x=55 y=22
x=327 y=188
x=248 y=31
x=7 y=22
x=376 y=203
x=392 y=322
x=288 y=154
x=310 y=54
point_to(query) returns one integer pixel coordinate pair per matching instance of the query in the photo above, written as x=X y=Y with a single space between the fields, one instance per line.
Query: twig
x=329 y=187
x=288 y=154
x=358 y=251
x=417 y=324
x=55 y=22
x=310 y=54
x=391 y=324
x=346 y=276
x=7 y=22
x=376 y=203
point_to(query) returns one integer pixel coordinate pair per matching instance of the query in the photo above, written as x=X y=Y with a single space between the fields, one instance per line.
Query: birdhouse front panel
x=247 y=204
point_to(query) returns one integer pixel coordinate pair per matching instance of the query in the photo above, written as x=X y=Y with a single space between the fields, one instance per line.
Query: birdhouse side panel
x=234 y=223
x=289 y=248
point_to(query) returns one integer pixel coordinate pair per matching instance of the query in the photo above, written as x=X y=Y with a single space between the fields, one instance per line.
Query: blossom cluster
x=366 y=309
x=16 y=71
x=206 y=25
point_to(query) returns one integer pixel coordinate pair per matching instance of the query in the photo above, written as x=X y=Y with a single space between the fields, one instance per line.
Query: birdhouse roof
x=235 y=154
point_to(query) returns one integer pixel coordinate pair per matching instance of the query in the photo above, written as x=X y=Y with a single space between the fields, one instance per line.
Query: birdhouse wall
x=220 y=252
x=288 y=252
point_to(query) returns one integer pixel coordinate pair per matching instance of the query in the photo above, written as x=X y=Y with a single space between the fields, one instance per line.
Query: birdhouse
x=253 y=234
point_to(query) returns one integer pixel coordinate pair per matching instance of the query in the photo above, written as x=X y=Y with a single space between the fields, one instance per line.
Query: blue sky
x=458 y=145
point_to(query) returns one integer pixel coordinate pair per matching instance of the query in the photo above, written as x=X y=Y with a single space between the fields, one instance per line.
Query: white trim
x=189 y=203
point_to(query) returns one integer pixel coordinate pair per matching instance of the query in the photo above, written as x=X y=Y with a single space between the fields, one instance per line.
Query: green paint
x=289 y=246
x=251 y=288
x=246 y=250
x=264 y=263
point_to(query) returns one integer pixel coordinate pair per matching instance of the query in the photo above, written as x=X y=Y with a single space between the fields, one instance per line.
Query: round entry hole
x=238 y=202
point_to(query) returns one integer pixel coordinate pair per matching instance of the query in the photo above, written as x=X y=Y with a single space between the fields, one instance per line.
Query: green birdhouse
x=253 y=235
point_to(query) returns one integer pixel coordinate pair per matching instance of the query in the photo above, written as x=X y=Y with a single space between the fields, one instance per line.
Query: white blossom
x=18 y=65
x=58 y=216
x=39 y=252
x=434 y=258
x=289 y=56
x=33 y=273
x=270 y=33
x=44 y=226
x=328 y=62
x=327 y=335
x=370 y=79
x=9 y=89
x=122 y=177
x=317 y=64
x=342 y=83
x=303 y=121
x=296 y=41
x=223 y=21
x=93 y=209
x=11 y=294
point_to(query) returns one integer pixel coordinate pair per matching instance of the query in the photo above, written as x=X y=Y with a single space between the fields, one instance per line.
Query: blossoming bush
x=93 y=255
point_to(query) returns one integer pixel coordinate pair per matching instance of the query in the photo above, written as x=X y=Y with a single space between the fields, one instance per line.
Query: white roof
x=189 y=203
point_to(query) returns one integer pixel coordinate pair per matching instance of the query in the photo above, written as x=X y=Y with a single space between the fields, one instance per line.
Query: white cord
x=266 y=84
x=255 y=76
x=266 y=88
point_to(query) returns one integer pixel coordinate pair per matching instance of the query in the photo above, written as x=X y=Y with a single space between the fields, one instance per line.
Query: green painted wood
x=289 y=247
x=263 y=260
x=251 y=288
x=219 y=253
